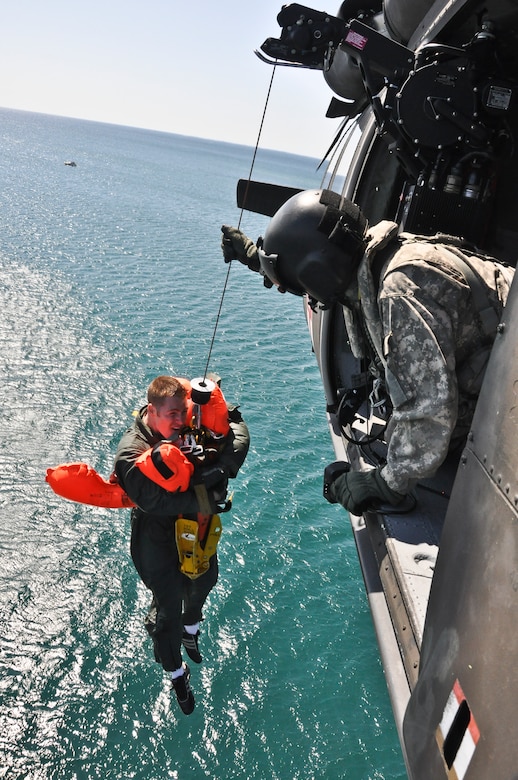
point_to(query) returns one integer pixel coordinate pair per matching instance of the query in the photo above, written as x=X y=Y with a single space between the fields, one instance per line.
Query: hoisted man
x=174 y=463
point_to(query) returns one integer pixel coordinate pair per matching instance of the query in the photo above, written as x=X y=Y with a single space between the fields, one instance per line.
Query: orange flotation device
x=80 y=482
x=166 y=465
x=213 y=414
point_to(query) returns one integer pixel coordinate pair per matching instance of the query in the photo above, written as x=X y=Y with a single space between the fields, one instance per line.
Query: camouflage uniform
x=430 y=341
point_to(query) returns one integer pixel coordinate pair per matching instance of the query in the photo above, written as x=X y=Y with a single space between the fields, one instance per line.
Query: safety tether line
x=239 y=222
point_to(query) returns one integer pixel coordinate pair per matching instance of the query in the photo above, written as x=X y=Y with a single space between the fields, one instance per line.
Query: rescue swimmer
x=172 y=467
x=422 y=311
x=176 y=608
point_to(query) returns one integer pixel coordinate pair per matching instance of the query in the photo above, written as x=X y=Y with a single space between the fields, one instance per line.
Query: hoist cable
x=239 y=223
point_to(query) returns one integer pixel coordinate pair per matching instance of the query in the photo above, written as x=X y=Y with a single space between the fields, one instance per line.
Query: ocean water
x=111 y=275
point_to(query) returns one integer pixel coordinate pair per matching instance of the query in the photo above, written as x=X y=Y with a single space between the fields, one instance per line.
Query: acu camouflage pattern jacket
x=431 y=343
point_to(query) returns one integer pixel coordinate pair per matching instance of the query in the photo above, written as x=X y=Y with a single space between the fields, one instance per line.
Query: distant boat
x=71 y=163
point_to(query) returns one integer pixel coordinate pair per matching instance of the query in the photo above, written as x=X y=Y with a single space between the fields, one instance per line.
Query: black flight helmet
x=314 y=244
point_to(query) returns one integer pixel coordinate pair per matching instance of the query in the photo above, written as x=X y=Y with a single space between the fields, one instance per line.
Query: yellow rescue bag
x=195 y=558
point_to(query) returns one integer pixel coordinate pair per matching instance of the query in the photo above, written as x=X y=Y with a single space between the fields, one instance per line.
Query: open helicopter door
x=461 y=718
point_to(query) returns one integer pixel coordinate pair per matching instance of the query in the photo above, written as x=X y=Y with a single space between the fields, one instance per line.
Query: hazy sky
x=181 y=67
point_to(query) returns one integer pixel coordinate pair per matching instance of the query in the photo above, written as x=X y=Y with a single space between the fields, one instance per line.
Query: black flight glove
x=219 y=500
x=213 y=477
x=235 y=245
x=357 y=491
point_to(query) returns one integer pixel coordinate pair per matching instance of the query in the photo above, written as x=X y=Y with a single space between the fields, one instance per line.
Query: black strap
x=158 y=462
x=488 y=316
x=485 y=311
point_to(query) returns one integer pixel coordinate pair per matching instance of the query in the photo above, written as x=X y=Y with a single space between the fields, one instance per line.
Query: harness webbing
x=484 y=310
x=488 y=317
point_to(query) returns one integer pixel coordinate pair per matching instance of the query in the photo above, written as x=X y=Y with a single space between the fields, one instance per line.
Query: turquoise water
x=112 y=274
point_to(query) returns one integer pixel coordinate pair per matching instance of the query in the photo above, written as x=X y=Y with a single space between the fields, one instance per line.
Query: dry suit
x=177 y=599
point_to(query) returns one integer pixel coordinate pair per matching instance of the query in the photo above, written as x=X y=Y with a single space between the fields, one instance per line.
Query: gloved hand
x=212 y=477
x=357 y=491
x=218 y=500
x=332 y=472
x=215 y=481
x=235 y=245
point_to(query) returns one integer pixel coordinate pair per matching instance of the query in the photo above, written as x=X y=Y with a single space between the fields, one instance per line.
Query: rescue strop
x=167 y=466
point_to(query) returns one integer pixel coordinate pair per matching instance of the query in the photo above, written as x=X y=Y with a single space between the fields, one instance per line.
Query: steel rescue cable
x=238 y=225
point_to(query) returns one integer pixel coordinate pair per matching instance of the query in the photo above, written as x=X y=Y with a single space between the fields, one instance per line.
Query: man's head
x=314 y=244
x=167 y=406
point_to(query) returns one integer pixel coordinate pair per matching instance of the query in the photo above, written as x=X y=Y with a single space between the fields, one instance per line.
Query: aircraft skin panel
x=470 y=633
